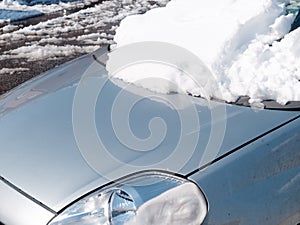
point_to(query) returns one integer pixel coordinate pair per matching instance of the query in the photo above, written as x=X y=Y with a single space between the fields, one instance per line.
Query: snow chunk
x=180 y=205
x=237 y=41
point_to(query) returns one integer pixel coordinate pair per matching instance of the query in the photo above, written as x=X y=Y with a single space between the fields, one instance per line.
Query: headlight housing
x=140 y=199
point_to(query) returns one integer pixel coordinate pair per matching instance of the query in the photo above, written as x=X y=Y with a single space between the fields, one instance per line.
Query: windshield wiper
x=270 y=104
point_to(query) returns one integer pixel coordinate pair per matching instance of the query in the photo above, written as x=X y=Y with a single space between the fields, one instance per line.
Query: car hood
x=72 y=130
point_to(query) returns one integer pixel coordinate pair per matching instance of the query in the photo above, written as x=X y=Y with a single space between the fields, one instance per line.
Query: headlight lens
x=141 y=199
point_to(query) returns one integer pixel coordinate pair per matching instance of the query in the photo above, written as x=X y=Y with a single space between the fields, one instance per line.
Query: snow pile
x=238 y=41
x=181 y=205
x=268 y=72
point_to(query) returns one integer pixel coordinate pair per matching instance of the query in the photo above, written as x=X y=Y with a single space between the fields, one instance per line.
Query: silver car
x=79 y=148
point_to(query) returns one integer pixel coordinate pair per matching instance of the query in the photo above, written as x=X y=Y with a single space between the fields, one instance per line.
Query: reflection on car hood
x=49 y=150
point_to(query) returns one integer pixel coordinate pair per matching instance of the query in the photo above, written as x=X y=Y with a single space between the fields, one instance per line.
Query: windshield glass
x=244 y=48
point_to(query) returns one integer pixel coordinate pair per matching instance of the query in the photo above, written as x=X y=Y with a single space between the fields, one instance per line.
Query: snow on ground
x=62 y=38
x=12 y=70
x=49 y=52
x=88 y=24
x=238 y=41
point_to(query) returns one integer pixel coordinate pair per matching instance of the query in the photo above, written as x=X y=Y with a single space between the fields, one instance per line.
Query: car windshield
x=247 y=51
x=292 y=5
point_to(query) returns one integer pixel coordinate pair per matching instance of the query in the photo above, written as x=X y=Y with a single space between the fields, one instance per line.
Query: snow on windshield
x=245 y=44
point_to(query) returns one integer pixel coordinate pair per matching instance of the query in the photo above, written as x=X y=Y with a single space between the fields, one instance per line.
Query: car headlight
x=141 y=199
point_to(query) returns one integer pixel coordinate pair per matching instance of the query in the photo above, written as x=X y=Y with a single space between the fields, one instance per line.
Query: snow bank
x=180 y=205
x=236 y=40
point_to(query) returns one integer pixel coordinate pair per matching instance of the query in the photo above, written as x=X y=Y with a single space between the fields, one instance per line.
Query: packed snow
x=181 y=205
x=245 y=44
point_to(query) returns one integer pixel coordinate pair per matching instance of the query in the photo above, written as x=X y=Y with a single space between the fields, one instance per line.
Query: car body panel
x=259 y=184
x=17 y=209
x=44 y=159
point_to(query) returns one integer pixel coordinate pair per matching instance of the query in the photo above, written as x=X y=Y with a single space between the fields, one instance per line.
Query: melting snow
x=245 y=44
